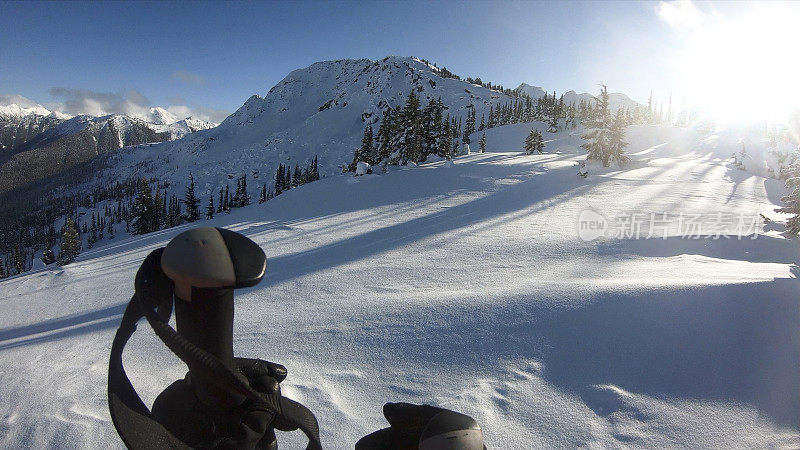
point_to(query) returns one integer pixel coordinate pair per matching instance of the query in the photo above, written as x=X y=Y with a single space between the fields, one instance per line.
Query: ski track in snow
x=466 y=287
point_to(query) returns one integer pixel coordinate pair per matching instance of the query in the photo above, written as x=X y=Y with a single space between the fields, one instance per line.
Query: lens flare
x=748 y=67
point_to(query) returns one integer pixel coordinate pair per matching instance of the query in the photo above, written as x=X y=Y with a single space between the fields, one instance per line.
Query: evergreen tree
x=597 y=135
x=47 y=256
x=143 y=209
x=482 y=143
x=210 y=207
x=2 y=270
x=70 y=243
x=314 y=170
x=446 y=141
x=236 y=202
x=244 y=197
x=385 y=136
x=190 y=200
x=175 y=215
x=19 y=260
x=159 y=213
x=296 y=176
x=553 y=125
x=219 y=203
x=279 y=180
x=263 y=196
x=227 y=200
x=616 y=144
x=469 y=126
x=365 y=152
x=93 y=232
x=792 y=201
x=429 y=129
x=409 y=141
x=534 y=142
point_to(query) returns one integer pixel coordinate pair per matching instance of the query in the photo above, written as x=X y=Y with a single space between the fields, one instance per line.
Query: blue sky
x=211 y=56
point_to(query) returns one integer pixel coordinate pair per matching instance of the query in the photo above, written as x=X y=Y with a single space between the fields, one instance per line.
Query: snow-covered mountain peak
x=160 y=116
x=16 y=112
x=322 y=109
x=534 y=92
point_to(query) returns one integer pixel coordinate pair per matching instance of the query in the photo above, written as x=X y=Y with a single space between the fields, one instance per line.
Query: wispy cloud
x=131 y=102
x=200 y=112
x=680 y=14
x=24 y=102
x=188 y=77
x=85 y=101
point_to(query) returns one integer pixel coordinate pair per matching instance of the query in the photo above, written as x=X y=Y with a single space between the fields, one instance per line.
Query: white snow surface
x=465 y=287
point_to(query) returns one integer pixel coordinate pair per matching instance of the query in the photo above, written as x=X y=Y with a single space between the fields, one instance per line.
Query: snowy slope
x=319 y=111
x=467 y=287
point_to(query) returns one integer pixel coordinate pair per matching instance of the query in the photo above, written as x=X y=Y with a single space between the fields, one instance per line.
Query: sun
x=745 y=68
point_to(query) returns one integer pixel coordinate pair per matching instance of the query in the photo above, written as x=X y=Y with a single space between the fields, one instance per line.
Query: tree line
x=64 y=228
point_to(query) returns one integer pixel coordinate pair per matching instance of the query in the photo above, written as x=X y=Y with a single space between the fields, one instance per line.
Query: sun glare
x=747 y=68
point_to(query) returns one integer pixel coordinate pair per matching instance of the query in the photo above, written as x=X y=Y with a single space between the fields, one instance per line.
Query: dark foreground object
x=224 y=401
x=424 y=427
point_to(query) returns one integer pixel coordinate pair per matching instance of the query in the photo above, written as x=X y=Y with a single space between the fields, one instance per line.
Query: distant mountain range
x=320 y=110
x=616 y=100
x=36 y=143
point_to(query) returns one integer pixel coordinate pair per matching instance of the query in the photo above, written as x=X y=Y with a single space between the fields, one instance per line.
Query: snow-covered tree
x=386 y=133
x=553 y=125
x=792 y=201
x=408 y=140
x=616 y=144
x=482 y=143
x=534 y=143
x=365 y=152
x=605 y=135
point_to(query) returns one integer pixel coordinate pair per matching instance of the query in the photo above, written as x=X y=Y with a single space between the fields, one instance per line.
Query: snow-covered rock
x=362 y=168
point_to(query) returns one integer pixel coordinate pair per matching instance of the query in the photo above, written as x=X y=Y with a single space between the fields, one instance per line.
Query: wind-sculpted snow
x=465 y=285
